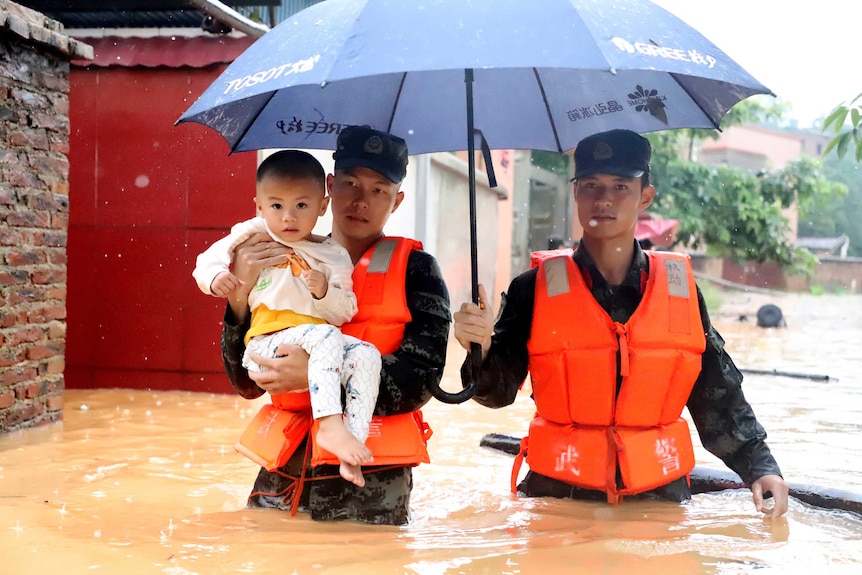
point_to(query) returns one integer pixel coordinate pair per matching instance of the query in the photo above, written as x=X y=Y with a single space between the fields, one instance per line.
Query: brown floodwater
x=137 y=482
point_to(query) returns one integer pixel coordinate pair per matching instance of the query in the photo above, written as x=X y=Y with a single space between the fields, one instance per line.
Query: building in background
x=147 y=196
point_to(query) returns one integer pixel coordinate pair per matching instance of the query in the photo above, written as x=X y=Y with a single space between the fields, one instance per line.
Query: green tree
x=841 y=216
x=730 y=211
x=845 y=121
x=737 y=214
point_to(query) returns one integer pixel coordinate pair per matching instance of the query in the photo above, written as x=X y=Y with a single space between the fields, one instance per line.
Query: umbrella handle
x=469 y=390
x=475 y=349
x=454 y=398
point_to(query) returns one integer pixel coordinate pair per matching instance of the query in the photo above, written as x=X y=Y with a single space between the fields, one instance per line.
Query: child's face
x=291 y=206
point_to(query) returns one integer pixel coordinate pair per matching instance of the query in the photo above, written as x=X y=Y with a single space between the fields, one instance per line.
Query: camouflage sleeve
x=505 y=367
x=724 y=419
x=232 y=348
x=408 y=373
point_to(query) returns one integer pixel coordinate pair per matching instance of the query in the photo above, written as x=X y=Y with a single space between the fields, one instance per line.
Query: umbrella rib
x=395 y=103
x=248 y=127
x=548 y=109
x=678 y=83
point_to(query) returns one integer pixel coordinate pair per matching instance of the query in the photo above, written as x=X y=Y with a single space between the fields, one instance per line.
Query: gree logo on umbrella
x=647 y=49
x=298 y=125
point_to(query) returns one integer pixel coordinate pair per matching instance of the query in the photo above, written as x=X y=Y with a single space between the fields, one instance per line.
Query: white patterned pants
x=335 y=360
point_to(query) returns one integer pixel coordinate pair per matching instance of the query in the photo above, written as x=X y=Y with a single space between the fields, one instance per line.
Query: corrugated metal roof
x=189 y=18
x=154 y=13
x=161 y=51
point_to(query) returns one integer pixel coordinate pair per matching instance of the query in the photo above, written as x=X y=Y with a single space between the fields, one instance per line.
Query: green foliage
x=732 y=212
x=711 y=296
x=804 y=181
x=551 y=161
x=737 y=214
x=840 y=216
x=847 y=130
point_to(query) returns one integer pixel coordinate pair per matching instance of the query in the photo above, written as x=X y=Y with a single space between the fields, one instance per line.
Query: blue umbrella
x=538 y=75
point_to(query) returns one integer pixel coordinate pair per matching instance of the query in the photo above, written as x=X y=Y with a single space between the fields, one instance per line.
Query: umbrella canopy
x=538 y=75
x=546 y=74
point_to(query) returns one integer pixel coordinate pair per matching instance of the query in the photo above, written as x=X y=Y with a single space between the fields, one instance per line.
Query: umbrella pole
x=475 y=349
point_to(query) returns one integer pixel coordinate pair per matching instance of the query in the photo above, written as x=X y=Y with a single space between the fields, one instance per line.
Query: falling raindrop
x=593 y=223
x=142 y=181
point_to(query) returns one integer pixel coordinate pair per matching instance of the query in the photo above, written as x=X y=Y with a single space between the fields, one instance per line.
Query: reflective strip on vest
x=382 y=256
x=556 y=277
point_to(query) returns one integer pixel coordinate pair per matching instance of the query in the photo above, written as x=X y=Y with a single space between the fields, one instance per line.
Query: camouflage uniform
x=724 y=419
x=404 y=387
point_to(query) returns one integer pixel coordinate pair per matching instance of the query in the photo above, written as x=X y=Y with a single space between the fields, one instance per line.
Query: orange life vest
x=585 y=430
x=277 y=429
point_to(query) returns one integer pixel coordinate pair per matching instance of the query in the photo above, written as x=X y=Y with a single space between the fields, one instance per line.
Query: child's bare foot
x=352 y=473
x=333 y=436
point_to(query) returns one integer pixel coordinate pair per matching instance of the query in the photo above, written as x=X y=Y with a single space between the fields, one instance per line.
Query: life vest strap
x=622 y=336
x=516 y=466
x=293 y=492
x=297 y=491
x=615 y=446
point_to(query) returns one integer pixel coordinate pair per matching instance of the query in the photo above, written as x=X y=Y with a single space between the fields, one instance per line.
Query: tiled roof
x=161 y=51
x=823 y=244
x=33 y=26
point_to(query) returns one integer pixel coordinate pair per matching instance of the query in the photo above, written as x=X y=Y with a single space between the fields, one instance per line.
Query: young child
x=302 y=302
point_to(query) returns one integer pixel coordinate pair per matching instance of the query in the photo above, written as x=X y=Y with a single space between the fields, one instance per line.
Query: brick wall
x=832 y=274
x=34 y=213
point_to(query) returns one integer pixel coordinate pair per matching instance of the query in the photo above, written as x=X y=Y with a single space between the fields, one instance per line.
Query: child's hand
x=224 y=284
x=316 y=282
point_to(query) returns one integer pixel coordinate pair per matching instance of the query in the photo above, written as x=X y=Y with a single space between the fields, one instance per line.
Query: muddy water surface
x=148 y=483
